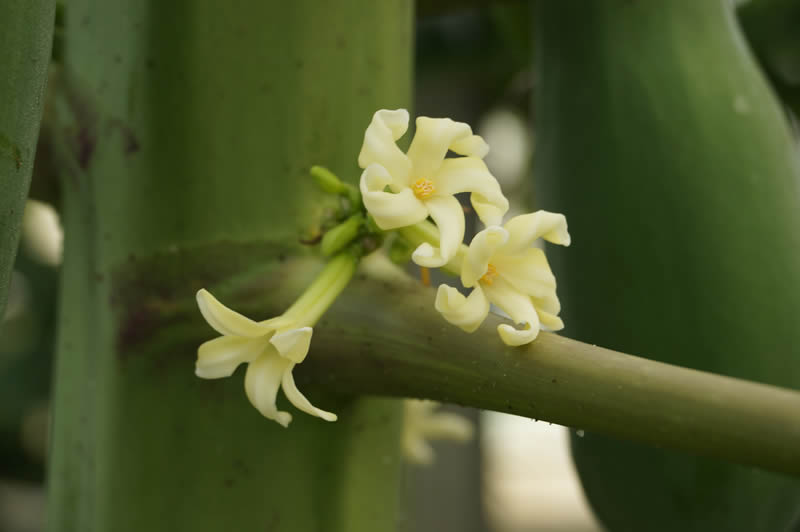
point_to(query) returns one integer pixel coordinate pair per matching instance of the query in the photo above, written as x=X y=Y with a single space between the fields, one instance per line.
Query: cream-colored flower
x=423 y=182
x=421 y=424
x=504 y=269
x=270 y=348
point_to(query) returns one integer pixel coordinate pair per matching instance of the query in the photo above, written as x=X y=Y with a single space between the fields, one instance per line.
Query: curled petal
x=379 y=144
x=549 y=322
x=483 y=247
x=469 y=174
x=527 y=271
x=519 y=307
x=226 y=321
x=293 y=344
x=523 y=230
x=446 y=211
x=473 y=146
x=261 y=384
x=434 y=136
x=299 y=400
x=464 y=312
x=389 y=210
x=221 y=356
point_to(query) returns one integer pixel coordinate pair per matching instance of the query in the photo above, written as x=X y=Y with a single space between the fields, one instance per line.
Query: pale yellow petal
x=547 y=302
x=516 y=337
x=523 y=230
x=389 y=210
x=483 y=247
x=446 y=211
x=527 y=271
x=261 y=383
x=226 y=321
x=434 y=136
x=380 y=147
x=469 y=174
x=464 y=312
x=549 y=322
x=293 y=344
x=473 y=146
x=221 y=356
x=519 y=307
x=299 y=400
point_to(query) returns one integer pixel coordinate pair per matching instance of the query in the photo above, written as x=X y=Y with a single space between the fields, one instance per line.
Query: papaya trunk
x=193 y=125
x=26 y=35
x=666 y=150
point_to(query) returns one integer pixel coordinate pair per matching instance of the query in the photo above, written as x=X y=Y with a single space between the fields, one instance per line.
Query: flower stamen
x=423 y=188
x=489 y=276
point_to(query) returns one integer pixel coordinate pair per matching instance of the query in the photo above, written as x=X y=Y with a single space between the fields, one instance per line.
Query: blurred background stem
x=26 y=35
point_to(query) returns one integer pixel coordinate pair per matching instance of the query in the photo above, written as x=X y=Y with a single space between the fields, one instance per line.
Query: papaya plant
x=659 y=134
x=188 y=140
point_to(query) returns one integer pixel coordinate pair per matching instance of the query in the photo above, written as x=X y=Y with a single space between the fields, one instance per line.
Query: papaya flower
x=503 y=269
x=421 y=425
x=402 y=189
x=270 y=348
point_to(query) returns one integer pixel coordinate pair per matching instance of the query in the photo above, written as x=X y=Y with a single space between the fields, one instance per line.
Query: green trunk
x=193 y=125
x=661 y=142
x=26 y=35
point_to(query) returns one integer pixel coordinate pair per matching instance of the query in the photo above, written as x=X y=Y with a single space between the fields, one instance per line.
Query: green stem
x=138 y=442
x=407 y=350
x=324 y=290
x=26 y=35
x=383 y=337
x=341 y=235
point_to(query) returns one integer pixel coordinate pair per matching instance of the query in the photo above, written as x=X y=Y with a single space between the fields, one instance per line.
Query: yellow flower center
x=488 y=277
x=423 y=188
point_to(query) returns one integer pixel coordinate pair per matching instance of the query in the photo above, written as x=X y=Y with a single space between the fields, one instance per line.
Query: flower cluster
x=400 y=191
x=500 y=265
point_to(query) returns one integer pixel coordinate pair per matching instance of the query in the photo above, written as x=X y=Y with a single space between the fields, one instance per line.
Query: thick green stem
x=26 y=35
x=196 y=122
x=383 y=337
x=406 y=349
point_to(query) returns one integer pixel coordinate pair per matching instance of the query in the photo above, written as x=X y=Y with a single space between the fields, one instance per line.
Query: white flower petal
x=221 y=356
x=469 y=174
x=473 y=146
x=516 y=337
x=299 y=400
x=446 y=211
x=523 y=230
x=527 y=271
x=434 y=136
x=480 y=251
x=519 y=307
x=379 y=144
x=464 y=312
x=293 y=344
x=226 y=321
x=549 y=322
x=389 y=210
x=548 y=303
x=261 y=383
